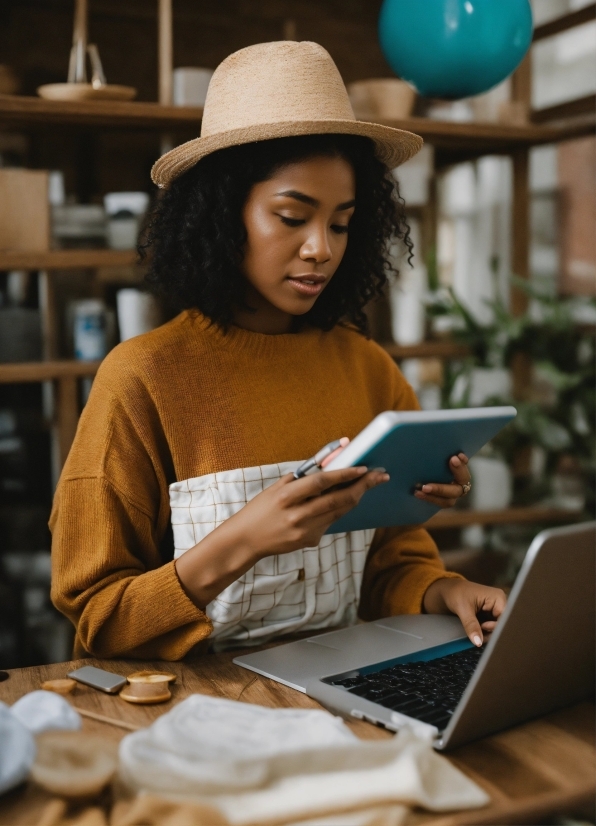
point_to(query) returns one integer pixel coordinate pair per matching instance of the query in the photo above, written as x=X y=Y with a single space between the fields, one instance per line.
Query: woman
x=271 y=237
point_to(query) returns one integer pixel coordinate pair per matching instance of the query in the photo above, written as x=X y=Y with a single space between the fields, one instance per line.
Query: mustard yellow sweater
x=184 y=401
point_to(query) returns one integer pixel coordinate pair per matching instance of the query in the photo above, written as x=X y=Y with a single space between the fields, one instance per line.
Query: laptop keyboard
x=426 y=690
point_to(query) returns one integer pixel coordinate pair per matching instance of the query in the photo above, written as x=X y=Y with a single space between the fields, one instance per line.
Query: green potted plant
x=551 y=442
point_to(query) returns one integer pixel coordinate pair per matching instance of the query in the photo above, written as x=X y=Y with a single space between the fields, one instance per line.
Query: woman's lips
x=308 y=286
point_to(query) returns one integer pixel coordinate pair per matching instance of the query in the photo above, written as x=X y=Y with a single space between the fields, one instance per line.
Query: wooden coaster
x=59 y=686
x=156 y=698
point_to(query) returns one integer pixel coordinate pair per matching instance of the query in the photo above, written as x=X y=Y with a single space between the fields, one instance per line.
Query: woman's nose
x=317 y=247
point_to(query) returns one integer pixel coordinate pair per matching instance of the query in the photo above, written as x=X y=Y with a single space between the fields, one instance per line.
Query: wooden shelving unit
x=64 y=377
x=427 y=349
x=479 y=138
x=19 y=111
x=36 y=371
x=67 y=259
x=487 y=138
x=453 y=142
x=460 y=518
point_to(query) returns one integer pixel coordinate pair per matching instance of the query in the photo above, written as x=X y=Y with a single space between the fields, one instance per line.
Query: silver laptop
x=422 y=671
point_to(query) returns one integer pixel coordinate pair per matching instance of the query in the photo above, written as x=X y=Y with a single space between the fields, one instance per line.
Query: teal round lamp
x=454 y=48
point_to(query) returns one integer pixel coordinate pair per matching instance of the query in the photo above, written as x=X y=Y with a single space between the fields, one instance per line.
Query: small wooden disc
x=59 y=686
x=151 y=677
x=148 y=700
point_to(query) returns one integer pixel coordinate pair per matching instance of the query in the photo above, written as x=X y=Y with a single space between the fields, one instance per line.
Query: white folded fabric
x=35 y=712
x=17 y=750
x=44 y=711
x=258 y=765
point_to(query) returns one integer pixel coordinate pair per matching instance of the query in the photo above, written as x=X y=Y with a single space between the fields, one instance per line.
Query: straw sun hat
x=276 y=90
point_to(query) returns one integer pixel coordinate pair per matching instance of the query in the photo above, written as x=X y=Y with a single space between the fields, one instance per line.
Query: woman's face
x=297 y=232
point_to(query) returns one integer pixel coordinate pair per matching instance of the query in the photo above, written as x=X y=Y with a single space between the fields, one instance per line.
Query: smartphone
x=98 y=678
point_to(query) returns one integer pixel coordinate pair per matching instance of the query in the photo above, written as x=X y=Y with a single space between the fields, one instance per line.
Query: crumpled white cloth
x=258 y=765
x=35 y=712
x=44 y=710
x=17 y=750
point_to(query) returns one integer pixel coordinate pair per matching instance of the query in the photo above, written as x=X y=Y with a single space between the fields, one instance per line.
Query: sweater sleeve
x=110 y=514
x=103 y=580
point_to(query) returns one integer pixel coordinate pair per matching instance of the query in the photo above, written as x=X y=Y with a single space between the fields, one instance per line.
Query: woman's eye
x=291 y=222
x=340 y=229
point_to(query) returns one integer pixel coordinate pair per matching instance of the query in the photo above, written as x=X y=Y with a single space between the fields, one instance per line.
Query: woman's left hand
x=477 y=606
x=445 y=496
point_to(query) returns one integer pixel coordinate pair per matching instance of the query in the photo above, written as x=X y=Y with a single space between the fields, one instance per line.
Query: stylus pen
x=318 y=460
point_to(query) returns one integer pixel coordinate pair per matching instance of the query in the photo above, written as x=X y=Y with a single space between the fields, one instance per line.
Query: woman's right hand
x=295 y=513
x=288 y=515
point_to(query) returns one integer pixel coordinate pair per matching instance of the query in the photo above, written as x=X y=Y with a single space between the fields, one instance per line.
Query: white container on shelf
x=122 y=232
x=134 y=202
x=138 y=313
x=482 y=384
x=408 y=316
x=492 y=483
x=413 y=177
x=190 y=85
x=125 y=212
x=90 y=333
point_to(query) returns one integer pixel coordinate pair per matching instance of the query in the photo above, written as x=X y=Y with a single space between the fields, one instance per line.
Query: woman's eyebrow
x=306 y=199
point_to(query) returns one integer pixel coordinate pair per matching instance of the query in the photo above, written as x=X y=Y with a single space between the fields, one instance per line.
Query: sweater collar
x=259 y=344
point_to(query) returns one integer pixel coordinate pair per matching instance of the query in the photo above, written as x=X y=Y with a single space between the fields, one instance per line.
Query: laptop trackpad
x=333 y=652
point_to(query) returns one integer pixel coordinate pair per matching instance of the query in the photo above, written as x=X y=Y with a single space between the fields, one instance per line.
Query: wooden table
x=532 y=772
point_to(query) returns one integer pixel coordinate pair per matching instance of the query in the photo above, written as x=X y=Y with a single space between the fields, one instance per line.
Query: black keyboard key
x=349 y=682
x=425 y=690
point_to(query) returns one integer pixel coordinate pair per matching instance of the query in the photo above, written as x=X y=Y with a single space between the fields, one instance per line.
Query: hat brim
x=393 y=146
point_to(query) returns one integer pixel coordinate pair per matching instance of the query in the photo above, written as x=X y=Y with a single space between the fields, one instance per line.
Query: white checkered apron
x=311 y=588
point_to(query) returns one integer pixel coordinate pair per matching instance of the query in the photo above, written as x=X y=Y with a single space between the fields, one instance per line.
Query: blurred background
x=497 y=305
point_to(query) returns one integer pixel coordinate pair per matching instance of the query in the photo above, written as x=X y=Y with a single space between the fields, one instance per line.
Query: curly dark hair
x=196 y=236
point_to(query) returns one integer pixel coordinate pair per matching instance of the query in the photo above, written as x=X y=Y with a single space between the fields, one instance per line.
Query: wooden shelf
x=461 y=518
x=26 y=111
x=66 y=259
x=566 y=21
x=427 y=349
x=36 y=371
x=487 y=138
x=480 y=138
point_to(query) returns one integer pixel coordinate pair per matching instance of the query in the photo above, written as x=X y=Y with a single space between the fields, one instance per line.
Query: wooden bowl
x=85 y=91
x=386 y=97
x=74 y=764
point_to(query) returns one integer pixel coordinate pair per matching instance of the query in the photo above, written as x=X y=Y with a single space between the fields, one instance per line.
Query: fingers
x=445 y=496
x=488 y=627
x=330 y=506
x=298 y=490
x=459 y=467
x=470 y=623
x=477 y=606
